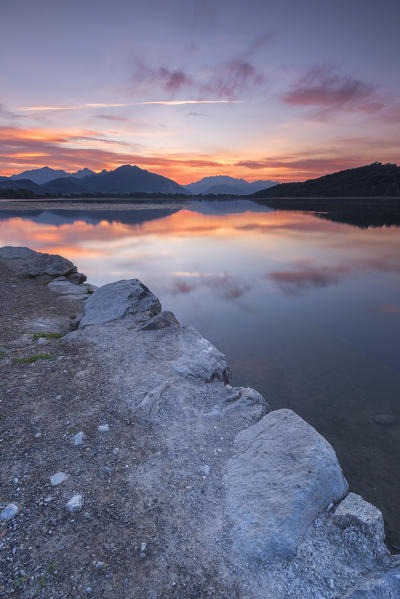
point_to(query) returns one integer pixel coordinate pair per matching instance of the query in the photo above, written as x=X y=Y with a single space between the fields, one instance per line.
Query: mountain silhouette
x=226 y=185
x=124 y=179
x=373 y=180
x=128 y=179
x=46 y=174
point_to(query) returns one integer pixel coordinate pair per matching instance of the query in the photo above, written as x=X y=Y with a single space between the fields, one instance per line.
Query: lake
x=307 y=309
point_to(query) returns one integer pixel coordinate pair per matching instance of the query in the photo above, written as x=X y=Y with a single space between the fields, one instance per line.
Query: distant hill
x=373 y=180
x=226 y=185
x=128 y=179
x=124 y=179
x=63 y=185
x=19 y=184
x=46 y=174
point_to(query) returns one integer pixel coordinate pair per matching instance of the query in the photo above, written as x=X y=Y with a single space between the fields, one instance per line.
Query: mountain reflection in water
x=306 y=308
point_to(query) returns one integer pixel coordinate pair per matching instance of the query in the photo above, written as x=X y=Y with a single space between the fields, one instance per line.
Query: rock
x=205 y=470
x=49 y=324
x=66 y=288
x=246 y=406
x=25 y=339
x=78 y=438
x=200 y=359
x=75 y=503
x=118 y=300
x=77 y=278
x=90 y=288
x=103 y=428
x=354 y=511
x=9 y=511
x=281 y=476
x=25 y=261
x=379 y=585
x=160 y=321
x=385 y=419
x=99 y=565
x=58 y=477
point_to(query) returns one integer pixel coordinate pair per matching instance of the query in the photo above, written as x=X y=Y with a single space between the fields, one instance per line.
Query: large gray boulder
x=118 y=300
x=25 y=261
x=281 y=476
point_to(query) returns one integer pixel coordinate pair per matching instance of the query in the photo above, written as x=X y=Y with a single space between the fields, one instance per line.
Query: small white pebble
x=58 y=477
x=15 y=479
x=78 y=438
x=38 y=435
x=103 y=428
x=58 y=396
x=75 y=503
x=9 y=511
x=143 y=547
x=205 y=469
x=115 y=450
x=99 y=565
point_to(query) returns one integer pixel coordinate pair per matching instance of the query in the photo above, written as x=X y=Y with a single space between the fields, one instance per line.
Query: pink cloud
x=322 y=88
x=227 y=79
x=311 y=277
x=232 y=78
x=224 y=286
x=174 y=81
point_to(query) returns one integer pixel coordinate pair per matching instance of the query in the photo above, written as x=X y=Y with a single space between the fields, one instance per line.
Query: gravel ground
x=110 y=547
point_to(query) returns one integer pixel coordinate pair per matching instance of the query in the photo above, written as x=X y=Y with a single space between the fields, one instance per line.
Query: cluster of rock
x=274 y=516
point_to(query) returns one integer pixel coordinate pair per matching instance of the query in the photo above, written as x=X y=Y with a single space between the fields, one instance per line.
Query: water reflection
x=307 y=309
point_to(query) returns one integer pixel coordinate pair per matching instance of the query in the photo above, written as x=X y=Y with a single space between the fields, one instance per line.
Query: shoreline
x=190 y=469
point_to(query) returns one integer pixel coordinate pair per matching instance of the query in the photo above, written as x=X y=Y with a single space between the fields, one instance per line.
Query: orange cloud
x=73 y=149
x=29 y=148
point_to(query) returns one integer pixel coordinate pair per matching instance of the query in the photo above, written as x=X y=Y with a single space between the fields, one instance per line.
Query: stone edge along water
x=285 y=493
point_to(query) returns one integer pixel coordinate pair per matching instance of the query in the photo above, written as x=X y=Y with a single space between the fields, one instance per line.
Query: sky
x=286 y=90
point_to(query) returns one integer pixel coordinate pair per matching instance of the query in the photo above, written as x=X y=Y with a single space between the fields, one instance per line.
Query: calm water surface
x=307 y=310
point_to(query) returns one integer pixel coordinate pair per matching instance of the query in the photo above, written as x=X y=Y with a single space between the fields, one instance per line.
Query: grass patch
x=19 y=582
x=31 y=359
x=43 y=580
x=47 y=335
x=27 y=276
x=2 y=354
x=90 y=291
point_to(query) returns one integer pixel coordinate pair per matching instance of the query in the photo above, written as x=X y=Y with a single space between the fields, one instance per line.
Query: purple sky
x=280 y=90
